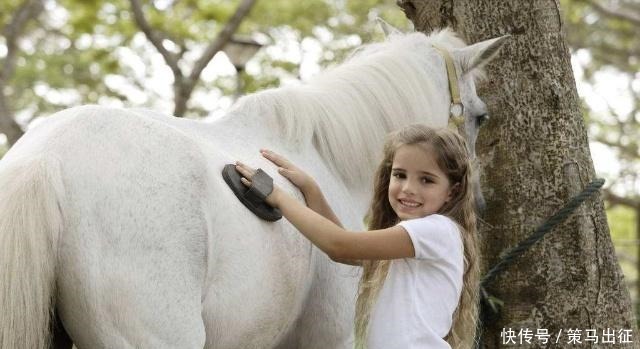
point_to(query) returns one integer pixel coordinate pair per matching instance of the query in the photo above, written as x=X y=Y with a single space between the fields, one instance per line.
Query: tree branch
x=28 y=10
x=183 y=88
x=629 y=150
x=612 y=13
x=222 y=38
x=614 y=199
x=623 y=52
x=628 y=258
x=609 y=53
x=623 y=126
x=155 y=37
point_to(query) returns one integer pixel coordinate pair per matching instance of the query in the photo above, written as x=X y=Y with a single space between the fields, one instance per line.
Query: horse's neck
x=346 y=137
x=247 y=122
x=255 y=129
x=247 y=128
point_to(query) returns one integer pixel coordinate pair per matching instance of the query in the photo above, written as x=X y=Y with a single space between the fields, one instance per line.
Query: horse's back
x=131 y=257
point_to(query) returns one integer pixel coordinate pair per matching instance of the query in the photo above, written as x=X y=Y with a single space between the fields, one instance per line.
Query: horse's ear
x=387 y=28
x=479 y=54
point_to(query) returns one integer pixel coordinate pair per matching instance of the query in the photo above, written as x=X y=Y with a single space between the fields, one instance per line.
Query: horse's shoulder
x=151 y=114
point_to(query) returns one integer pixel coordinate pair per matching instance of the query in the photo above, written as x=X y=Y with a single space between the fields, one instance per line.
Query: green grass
x=622 y=225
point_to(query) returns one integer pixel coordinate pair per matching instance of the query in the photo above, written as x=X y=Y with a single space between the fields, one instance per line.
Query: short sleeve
x=434 y=237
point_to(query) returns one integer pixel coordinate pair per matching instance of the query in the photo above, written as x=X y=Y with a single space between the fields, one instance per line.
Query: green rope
x=508 y=258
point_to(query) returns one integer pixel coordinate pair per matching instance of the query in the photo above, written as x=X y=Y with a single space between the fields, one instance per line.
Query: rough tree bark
x=535 y=156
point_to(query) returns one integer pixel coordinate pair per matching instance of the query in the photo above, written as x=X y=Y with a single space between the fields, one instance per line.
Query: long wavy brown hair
x=453 y=160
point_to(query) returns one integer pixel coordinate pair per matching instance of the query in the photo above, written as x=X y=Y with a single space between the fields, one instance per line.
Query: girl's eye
x=398 y=175
x=426 y=180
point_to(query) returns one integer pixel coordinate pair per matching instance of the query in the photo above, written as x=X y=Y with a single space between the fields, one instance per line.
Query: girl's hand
x=247 y=173
x=295 y=175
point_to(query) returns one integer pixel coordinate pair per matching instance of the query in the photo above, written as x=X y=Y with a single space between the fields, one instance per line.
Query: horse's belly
x=258 y=278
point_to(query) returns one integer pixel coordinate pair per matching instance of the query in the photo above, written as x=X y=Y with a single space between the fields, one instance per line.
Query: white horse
x=120 y=219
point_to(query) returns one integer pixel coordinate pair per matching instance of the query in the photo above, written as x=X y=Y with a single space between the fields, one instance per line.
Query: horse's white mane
x=348 y=110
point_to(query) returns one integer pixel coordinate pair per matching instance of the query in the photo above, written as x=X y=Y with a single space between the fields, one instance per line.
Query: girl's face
x=417 y=187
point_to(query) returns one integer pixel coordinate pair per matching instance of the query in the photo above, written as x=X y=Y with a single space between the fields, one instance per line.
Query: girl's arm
x=316 y=201
x=312 y=194
x=335 y=241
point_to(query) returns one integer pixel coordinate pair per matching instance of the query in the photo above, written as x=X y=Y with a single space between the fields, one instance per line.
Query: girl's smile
x=409 y=203
x=418 y=187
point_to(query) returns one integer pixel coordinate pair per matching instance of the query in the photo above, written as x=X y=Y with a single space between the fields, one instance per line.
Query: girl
x=419 y=287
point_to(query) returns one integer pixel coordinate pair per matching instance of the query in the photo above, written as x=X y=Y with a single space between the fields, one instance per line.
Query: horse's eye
x=481 y=119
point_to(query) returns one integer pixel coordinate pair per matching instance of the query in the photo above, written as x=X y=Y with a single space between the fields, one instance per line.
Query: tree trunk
x=535 y=156
x=27 y=11
x=8 y=125
x=181 y=96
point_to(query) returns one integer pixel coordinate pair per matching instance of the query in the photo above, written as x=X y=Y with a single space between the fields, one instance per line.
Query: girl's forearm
x=317 y=202
x=322 y=232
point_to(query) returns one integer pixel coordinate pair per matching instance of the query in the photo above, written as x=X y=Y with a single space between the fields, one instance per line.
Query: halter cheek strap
x=456 y=110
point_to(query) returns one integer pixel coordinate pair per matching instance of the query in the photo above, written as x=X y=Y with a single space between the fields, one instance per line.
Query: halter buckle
x=456 y=110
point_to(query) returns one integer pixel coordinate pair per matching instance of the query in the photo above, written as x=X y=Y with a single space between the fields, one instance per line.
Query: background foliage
x=603 y=36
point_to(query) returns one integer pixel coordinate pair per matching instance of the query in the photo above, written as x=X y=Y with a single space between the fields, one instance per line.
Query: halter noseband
x=456 y=110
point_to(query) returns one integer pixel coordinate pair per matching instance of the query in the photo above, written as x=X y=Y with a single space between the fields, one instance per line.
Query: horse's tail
x=30 y=223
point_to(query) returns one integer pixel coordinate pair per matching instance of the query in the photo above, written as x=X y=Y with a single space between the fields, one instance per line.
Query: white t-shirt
x=416 y=303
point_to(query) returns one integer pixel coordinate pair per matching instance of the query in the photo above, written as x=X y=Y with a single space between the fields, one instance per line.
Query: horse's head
x=345 y=113
x=462 y=64
x=472 y=112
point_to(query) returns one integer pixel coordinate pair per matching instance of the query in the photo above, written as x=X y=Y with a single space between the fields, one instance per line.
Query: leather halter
x=456 y=110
